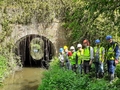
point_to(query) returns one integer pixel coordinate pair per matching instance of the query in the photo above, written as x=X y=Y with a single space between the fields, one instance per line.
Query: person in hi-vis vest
x=79 y=58
x=99 y=53
x=67 y=57
x=73 y=58
x=87 y=56
x=112 y=55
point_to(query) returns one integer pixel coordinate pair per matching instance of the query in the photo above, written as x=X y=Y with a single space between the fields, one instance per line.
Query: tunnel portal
x=45 y=48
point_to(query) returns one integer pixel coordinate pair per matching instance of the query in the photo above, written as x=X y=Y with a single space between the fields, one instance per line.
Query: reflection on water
x=26 y=79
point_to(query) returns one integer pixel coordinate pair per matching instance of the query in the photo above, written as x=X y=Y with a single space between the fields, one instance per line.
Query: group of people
x=81 y=59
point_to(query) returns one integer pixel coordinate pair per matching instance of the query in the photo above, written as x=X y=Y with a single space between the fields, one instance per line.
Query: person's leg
x=111 y=69
x=84 y=67
x=101 y=70
x=102 y=67
x=79 y=69
x=87 y=67
x=96 y=69
x=108 y=66
x=73 y=67
x=69 y=66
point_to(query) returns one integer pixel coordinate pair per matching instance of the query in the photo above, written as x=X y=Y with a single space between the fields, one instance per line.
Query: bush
x=117 y=84
x=3 y=67
x=97 y=85
x=61 y=79
x=118 y=70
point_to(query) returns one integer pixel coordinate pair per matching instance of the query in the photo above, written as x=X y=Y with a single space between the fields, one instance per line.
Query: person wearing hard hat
x=67 y=56
x=112 y=55
x=79 y=58
x=87 y=56
x=73 y=58
x=61 y=57
x=99 y=53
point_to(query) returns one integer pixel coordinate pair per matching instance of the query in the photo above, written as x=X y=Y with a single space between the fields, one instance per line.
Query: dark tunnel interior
x=23 y=50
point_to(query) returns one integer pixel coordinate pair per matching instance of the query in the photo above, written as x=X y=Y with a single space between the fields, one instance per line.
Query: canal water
x=26 y=79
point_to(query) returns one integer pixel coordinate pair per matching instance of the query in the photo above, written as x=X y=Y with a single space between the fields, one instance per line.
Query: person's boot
x=111 y=78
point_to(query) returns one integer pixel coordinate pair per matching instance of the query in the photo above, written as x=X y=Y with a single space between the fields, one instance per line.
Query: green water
x=26 y=79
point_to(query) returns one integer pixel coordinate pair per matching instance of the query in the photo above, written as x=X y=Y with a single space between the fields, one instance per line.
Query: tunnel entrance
x=23 y=49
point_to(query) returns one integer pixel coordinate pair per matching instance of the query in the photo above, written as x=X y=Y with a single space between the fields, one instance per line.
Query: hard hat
x=79 y=45
x=61 y=50
x=108 y=37
x=65 y=47
x=97 y=41
x=72 y=47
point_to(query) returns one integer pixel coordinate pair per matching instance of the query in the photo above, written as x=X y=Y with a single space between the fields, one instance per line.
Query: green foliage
x=3 y=67
x=98 y=85
x=93 y=19
x=54 y=62
x=57 y=78
x=24 y=11
x=8 y=60
x=118 y=70
x=117 y=84
x=90 y=19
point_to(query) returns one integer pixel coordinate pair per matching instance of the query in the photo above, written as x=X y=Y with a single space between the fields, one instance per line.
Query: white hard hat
x=72 y=47
x=79 y=45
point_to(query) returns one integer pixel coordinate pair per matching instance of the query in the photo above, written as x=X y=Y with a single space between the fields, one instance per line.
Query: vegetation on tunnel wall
x=26 y=11
x=3 y=67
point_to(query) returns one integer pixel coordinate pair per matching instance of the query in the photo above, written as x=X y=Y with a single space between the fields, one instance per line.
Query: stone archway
x=53 y=33
x=50 y=32
x=23 y=50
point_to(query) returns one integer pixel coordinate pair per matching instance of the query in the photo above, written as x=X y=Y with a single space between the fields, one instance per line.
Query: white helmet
x=72 y=47
x=79 y=45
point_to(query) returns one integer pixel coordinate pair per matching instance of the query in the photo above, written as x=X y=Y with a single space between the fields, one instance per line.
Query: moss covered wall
x=23 y=17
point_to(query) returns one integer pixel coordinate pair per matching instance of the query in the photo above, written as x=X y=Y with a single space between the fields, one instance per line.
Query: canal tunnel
x=35 y=51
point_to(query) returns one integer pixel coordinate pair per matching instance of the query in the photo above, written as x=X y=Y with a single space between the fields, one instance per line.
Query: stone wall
x=54 y=32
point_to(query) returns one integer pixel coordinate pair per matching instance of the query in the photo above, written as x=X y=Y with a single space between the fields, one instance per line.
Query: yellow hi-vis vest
x=86 y=53
x=111 y=53
x=80 y=56
x=100 y=53
x=73 y=58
